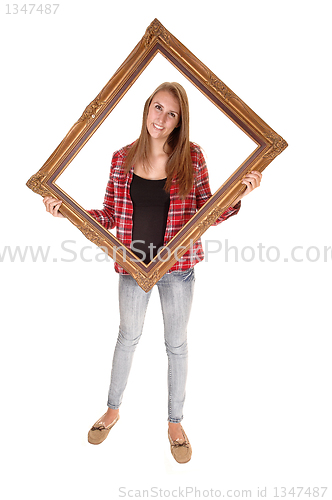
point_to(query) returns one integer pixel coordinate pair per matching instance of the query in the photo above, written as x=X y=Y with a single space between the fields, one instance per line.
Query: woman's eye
x=173 y=115
x=158 y=106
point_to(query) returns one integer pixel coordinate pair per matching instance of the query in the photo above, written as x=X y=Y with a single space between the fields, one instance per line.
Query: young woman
x=156 y=185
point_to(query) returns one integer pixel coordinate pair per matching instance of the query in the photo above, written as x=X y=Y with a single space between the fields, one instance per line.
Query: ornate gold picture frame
x=157 y=40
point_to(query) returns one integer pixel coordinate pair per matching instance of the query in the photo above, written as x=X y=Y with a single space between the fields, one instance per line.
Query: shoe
x=180 y=448
x=98 y=432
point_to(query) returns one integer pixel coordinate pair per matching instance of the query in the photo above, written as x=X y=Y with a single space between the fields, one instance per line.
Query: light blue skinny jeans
x=176 y=295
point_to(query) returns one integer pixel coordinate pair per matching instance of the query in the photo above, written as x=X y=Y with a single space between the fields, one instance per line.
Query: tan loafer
x=180 y=448
x=98 y=432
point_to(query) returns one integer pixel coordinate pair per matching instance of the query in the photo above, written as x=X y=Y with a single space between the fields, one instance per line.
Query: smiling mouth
x=157 y=127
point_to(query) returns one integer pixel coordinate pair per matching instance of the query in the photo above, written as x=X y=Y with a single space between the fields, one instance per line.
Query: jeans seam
x=113 y=407
x=170 y=390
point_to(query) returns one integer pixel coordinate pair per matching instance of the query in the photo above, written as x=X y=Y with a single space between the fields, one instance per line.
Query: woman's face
x=163 y=115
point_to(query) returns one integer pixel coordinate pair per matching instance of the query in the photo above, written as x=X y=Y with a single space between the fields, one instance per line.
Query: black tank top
x=151 y=204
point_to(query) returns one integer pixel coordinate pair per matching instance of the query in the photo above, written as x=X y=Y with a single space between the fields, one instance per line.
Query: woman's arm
x=203 y=191
x=106 y=216
x=252 y=180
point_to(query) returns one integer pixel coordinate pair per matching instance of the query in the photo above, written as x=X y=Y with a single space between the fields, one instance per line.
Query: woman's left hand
x=252 y=180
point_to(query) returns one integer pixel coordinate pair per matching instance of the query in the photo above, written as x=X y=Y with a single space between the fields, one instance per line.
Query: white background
x=258 y=408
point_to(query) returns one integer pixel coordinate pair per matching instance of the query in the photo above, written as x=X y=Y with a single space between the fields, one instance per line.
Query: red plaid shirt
x=118 y=207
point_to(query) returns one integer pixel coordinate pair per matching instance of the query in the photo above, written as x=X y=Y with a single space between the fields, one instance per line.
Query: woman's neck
x=158 y=148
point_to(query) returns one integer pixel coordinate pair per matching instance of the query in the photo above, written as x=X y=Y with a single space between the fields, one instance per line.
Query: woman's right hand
x=52 y=206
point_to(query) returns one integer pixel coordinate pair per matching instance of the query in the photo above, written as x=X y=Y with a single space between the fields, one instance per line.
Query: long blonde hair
x=179 y=163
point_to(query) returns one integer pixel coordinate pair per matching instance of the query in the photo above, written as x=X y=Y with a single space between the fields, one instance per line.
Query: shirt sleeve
x=203 y=191
x=106 y=216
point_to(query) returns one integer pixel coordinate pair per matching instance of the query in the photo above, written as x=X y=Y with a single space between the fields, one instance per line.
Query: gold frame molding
x=157 y=40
